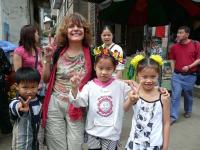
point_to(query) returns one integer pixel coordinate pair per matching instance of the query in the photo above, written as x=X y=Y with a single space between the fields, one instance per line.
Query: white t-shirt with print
x=105 y=108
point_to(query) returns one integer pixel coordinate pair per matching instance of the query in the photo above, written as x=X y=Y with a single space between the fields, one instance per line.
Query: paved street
x=185 y=134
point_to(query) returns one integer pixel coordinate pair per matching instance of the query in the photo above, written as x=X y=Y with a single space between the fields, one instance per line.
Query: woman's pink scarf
x=74 y=113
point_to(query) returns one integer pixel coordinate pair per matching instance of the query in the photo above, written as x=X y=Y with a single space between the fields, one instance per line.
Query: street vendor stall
x=157 y=42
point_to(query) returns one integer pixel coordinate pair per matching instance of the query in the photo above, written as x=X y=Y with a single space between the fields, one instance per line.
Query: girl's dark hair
x=27 y=74
x=27 y=37
x=107 y=27
x=148 y=62
x=99 y=57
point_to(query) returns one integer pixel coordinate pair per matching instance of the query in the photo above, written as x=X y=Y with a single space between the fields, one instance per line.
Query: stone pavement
x=184 y=135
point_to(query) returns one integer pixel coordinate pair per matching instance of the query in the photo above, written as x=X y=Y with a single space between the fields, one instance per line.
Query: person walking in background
x=5 y=69
x=185 y=56
x=107 y=39
x=28 y=51
x=28 y=54
x=151 y=117
x=104 y=96
x=64 y=124
x=25 y=110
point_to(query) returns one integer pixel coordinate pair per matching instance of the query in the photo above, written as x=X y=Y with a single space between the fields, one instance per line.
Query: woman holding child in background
x=107 y=39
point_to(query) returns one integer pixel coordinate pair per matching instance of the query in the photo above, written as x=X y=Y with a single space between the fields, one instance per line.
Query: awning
x=102 y=4
x=151 y=12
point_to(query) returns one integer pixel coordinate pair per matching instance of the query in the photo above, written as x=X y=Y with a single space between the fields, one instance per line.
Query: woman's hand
x=46 y=68
x=48 y=53
x=24 y=105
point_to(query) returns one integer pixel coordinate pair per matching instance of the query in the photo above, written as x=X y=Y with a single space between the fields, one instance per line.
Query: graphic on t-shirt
x=144 y=123
x=105 y=106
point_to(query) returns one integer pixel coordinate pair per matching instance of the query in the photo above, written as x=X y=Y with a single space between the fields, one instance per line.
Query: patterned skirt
x=135 y=146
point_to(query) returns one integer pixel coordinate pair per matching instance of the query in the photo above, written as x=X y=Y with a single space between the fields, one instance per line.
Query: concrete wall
x=14 y=14
x=1 y=30
x=93 y=21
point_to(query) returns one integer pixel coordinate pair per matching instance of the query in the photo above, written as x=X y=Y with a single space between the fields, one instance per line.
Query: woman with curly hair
x=64 y=124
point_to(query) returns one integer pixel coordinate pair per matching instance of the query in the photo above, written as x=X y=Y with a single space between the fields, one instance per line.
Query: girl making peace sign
x=151 y=118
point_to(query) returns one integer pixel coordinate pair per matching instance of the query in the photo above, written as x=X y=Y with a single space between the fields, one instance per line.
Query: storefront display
x=157 y=42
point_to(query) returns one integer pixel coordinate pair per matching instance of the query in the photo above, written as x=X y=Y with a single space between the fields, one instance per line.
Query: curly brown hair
x=76 y=19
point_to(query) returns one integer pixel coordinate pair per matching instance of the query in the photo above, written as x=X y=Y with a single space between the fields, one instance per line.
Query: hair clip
x=105 y=51
x=157 y=58
x=136 y=59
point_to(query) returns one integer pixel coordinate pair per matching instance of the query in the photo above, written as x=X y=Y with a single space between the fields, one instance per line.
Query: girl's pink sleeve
x=19 y=51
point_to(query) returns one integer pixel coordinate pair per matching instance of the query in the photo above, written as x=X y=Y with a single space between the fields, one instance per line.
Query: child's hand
x=75 y=80
x=133 y=97
x=24 y=105
x=164 y=91
x=134 y=94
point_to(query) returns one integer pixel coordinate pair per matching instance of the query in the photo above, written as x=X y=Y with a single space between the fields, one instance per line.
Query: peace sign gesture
x=133 y=97
x=24 y=105
x=134 y=94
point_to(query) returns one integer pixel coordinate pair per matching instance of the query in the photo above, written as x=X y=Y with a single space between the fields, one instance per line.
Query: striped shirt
x=25 y=125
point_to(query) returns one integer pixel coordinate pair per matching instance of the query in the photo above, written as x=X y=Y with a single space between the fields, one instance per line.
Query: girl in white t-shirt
x=151 y=117
x=104 y=96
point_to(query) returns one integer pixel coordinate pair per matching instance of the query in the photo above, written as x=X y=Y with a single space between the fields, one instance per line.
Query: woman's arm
x=166 y=121
x=46 y=66
x=17 y=61
x=46 y=70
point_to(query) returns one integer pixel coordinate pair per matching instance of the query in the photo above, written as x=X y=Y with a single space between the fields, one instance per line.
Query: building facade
x=61 y=8
x=13 y=15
